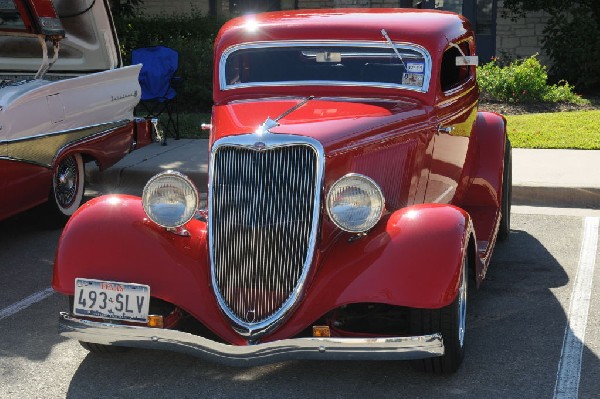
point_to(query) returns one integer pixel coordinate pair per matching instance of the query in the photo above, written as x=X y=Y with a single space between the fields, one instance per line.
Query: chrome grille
x=263 y=205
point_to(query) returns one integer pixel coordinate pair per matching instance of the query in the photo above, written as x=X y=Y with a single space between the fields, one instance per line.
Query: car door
x=456 y=110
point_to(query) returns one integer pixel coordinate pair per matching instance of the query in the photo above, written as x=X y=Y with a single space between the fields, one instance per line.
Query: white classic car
x=65 y=100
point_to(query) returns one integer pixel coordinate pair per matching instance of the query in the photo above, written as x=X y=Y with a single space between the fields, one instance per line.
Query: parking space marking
x=569 y=367
x=25 y=303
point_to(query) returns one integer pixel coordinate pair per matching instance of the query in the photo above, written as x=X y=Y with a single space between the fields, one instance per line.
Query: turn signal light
x=155 y=321
x=321 y=331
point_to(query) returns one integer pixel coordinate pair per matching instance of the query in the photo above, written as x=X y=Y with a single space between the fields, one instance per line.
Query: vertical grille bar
x=262 y=211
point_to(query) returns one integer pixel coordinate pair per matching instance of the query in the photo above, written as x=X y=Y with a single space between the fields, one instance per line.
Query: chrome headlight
x=170 y=199
x=355 y=203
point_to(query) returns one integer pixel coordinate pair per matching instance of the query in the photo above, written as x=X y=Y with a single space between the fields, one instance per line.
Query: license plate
x=111 y=300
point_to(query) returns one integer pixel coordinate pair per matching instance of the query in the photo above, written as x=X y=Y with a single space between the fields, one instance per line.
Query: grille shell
x=264 y=202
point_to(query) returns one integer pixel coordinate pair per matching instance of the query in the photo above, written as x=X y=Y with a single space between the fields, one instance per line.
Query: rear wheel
x=451 y=322
x=68 y=185
x=504 y=229
x=100 y=348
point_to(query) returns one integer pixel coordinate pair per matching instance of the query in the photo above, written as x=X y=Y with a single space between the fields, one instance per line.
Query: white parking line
x=25 y=303
x=569 y=367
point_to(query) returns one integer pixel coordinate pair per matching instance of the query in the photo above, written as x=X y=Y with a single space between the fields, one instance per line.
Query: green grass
x=577 y=129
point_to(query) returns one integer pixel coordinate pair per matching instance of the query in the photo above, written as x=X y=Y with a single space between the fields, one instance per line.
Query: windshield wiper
x=271 y=123
x=391 y=43
x=295 y=107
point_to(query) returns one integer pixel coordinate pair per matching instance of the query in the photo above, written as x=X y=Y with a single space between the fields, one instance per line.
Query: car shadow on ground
x=515 y=332
x=27 y=248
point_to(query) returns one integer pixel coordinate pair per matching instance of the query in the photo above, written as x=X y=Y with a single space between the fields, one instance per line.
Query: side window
x=451 y=74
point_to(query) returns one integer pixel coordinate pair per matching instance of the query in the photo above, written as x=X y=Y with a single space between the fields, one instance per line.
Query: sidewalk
x=129 y=176
x=556 y=178
x=550 y=178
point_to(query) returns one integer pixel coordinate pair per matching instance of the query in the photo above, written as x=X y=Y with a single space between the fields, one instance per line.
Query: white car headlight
x=170 y=199
x=355 y=203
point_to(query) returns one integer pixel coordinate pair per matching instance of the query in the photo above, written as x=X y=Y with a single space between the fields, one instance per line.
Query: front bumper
x=386 y=348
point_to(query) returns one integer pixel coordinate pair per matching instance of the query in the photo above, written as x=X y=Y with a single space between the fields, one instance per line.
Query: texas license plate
x=111 y=300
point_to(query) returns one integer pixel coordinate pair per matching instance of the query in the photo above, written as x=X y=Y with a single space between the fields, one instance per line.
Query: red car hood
x=338 y=124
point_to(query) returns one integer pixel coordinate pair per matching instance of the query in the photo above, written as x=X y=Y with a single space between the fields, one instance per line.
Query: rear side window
x=451 y=74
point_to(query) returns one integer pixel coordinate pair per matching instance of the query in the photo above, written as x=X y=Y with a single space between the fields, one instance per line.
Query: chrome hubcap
x=65 y=182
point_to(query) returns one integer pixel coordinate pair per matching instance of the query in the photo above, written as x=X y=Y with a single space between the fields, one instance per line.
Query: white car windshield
x=292 y=64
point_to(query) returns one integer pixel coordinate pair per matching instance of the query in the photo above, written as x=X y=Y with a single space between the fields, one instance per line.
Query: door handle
x=445 y=129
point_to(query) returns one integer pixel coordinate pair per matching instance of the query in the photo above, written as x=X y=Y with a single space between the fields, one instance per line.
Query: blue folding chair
x=158 y=81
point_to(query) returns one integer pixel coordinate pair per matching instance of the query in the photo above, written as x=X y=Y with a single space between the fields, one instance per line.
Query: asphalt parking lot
x=540 y=282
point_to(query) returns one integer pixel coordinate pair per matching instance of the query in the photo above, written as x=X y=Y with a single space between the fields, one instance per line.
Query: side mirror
x=467 y=60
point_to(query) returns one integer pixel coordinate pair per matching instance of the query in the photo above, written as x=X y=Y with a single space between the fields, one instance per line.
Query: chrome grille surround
x=263 y=141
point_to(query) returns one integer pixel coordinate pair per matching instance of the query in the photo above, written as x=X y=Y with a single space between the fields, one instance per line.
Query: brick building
x=496 y=35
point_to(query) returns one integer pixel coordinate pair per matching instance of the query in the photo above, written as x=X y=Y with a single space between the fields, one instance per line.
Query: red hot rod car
x=354 y=193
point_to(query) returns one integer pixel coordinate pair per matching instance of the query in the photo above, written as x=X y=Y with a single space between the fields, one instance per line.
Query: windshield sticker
x=415 y=67
x=412 y=79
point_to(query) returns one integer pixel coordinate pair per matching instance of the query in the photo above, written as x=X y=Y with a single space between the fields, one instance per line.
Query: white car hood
x=90 y=43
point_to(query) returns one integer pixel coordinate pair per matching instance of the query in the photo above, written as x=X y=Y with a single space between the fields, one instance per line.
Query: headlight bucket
x=355 y=203
x=170 y=199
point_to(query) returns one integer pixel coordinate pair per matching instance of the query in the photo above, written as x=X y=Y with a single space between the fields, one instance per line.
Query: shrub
x=192 y=36
x=573 y=43
x=522 y=81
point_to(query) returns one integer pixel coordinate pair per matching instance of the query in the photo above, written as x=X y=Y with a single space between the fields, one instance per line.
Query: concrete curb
x=557 y=197
x=543 y=178
x=129 y=176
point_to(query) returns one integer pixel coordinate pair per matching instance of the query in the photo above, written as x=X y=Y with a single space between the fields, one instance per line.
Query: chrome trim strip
x=332 y=43
x=328 y=98
x=7 y=158
x=45 y=153
x=387 y=348
x=110 y=125
x=255 y=330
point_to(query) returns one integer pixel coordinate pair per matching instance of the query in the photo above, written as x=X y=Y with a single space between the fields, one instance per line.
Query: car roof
x=428 y=28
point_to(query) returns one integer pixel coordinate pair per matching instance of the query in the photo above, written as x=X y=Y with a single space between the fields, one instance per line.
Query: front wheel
x=68 y=185
x=451 y=322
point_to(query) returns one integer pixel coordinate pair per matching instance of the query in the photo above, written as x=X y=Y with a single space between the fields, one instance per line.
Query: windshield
x=364 y=64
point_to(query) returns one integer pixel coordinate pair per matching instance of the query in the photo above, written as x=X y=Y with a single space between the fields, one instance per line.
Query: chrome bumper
x=388 y=348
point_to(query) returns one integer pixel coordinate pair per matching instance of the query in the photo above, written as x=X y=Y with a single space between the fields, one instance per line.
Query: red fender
x=486 y=174
x=414 y=259
x=111 y=238
x=484 y=194
x=110 y=147
x=107 y=148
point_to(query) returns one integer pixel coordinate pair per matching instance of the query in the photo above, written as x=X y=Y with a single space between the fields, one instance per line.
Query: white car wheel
x=68 y=184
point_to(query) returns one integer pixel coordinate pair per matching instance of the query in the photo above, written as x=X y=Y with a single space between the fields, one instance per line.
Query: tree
x=125 y=8
x=570 y=38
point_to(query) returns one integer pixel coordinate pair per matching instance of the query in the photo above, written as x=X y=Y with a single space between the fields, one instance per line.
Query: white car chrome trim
x=107 y=126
